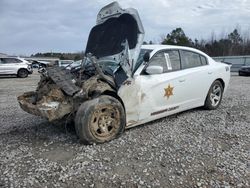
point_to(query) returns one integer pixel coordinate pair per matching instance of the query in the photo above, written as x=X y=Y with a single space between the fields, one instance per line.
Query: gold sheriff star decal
x=168 y=91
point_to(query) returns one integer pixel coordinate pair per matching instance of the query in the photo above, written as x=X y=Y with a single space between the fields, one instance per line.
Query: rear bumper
x=244 y=72
x=52 y=110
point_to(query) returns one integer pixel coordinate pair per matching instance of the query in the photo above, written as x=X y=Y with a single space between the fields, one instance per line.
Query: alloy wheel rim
x=105 y=122
x=215 y=95
x=22 y=73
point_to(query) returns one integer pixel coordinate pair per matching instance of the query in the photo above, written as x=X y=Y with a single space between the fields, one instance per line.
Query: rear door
x=10 y=65
x=197 y=76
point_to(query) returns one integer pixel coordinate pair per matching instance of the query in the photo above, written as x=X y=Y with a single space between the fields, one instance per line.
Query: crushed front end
x=51 y=99
x=60 y=91
x=111 y=54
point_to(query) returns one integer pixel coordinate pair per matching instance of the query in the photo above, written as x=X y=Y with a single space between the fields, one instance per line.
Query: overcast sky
x=31 y=26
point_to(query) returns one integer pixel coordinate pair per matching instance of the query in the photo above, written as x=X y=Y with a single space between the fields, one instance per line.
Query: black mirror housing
x=146 y=57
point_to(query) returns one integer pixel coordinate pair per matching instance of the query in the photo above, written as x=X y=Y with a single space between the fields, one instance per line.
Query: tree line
x=63 y=56
x=232 y=44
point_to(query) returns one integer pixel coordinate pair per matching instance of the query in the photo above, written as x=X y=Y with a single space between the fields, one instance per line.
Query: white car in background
x=122 y=83
x=41 y=64
x=15 y=66
x=65 y=63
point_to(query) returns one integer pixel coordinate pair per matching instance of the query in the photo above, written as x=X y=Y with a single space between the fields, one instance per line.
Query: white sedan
x=171 y=79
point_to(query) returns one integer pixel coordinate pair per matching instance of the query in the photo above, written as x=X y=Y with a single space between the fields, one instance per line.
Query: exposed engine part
x=100 y=72
x=64 y=80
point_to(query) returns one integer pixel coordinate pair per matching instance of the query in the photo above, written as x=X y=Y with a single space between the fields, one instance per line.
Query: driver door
x=162 y=94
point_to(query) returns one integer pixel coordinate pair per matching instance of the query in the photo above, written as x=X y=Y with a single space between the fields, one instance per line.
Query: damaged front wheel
x=100 y=120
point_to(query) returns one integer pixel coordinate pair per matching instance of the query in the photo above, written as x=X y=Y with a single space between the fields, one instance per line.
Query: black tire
x=100 y=120
x=214 y=96
x=241 y=74
x=22 y=73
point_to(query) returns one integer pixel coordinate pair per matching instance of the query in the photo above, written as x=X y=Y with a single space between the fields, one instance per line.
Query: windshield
x=106 y=63
x=110 y=63
x=140 y=58
x=64 y=63
x=74 y=64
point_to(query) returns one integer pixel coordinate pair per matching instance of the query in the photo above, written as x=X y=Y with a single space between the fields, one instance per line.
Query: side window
x=174 y=60
x=18 y=61
x=4 y=61
x=169 y=60
x=158 y=60
x=190 y=59
x=7 y=60
x=203 y=60
x=11 y=60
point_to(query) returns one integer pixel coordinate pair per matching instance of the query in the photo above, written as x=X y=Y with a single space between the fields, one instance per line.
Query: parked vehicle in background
x=244 y=71
x=15 y=66
x=40 y=64
x=76 y=64
x=64 y=63
x=236 y=61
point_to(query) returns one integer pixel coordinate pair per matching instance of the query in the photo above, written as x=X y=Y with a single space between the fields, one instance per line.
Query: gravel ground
x=197 y=148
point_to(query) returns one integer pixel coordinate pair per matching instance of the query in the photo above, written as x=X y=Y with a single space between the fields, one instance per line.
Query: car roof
x=158 y=47
x=13 y=57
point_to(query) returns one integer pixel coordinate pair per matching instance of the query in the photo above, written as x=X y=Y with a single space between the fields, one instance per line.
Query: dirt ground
x=197 y=148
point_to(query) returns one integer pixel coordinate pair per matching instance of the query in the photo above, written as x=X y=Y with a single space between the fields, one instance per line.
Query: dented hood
x=116 y=26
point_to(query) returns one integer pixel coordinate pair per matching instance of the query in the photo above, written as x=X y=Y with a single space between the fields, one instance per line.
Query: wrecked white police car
x=121 y=84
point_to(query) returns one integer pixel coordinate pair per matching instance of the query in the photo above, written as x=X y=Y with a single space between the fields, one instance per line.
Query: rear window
x=192 y=59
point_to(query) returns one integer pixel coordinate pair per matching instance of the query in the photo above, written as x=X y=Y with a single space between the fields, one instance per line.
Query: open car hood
x=117 y=31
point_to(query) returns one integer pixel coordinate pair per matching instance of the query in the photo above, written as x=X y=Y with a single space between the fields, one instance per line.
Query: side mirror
x=146 y=57
x=154 y=69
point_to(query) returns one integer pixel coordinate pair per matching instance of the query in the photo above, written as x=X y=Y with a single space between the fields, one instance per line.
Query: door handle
x=210 y=72
x=182 y=80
